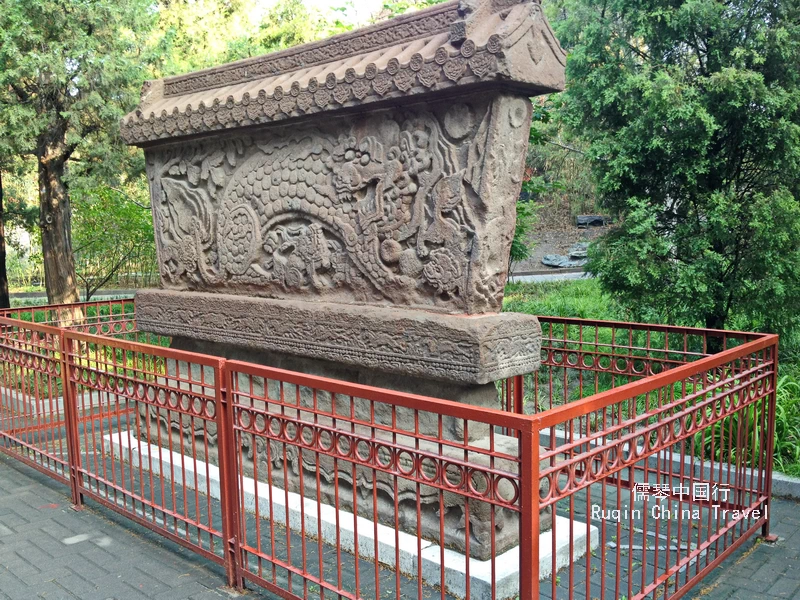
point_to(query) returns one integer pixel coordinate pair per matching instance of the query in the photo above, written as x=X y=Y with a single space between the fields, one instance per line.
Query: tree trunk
x=54 y=222
x=715 y=320
x=5 y=300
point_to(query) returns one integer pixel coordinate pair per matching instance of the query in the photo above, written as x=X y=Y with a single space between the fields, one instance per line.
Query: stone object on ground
x=584 y=221
x=562 y=262
x=576 y=257
x=579 y=250
x=347 y=206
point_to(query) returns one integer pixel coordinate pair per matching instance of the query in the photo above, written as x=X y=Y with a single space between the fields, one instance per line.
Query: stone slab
x=468 y=350
x=339 y=526
x=411 y=207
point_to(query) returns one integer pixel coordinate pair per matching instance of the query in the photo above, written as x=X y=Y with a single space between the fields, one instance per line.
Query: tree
x=691 y=113
x=15 y=213
x=100 y=257
x=5 y=299
x=289 y=23
x=195 y=34
x=69 y=69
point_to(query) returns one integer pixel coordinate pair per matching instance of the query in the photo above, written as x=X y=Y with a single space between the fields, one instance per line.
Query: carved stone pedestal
x=339 y=339
x=395 y=499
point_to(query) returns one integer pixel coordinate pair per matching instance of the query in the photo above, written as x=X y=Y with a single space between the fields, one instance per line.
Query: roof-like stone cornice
x=472 y=43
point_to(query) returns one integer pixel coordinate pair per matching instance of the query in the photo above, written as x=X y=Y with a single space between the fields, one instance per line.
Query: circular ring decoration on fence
x=405 y=457
x=343 y=446
x=479 y=483
x=430 y=465
x=382 y=451
x=325 y=441
x=308 y=436
x=451 y=469
x=364 y=451
x=499 y=484
x=290 y=431
x=275 y=426
x=260 y=424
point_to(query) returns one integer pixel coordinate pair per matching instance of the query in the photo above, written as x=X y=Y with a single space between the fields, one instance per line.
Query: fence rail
x=634 y=461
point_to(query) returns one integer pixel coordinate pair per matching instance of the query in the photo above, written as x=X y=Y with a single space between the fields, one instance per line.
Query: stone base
x=453 y=348
x=485 y=395
x=339 y=527
x=416 y=508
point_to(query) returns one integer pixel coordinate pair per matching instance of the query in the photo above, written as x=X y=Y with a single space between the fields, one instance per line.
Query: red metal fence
x=644 y=451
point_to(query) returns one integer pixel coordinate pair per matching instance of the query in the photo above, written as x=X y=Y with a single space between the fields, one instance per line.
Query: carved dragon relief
x=388 y=208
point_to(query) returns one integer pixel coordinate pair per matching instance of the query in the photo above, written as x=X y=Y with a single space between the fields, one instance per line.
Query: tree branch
x=565 y=147
x=21 y=94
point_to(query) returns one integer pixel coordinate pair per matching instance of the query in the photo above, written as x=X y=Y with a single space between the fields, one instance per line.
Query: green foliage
x=787 y=423
x=526 y=219
x=288 y=23
x=68 y=71
x=587 y=299
x=533 y=188
x=194 y=34
x=99 y=257
x=556 y=160
x=580 y=298
x=399 y=7
x=737 y=438
x=691 y=116
x=19 y=197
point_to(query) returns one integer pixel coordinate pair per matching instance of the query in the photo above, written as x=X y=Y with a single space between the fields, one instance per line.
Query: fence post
x=529 y=518
x=70 y=395
x=773 y=398
x=228 y=478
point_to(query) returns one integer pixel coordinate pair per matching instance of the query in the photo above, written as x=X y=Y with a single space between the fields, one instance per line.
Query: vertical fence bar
x=228 y=477
x=529 y=518
x=519 y=388
x=70 y=395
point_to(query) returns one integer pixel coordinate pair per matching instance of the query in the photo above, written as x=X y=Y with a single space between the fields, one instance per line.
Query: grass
x=579 y=298
x=787 y=421
x=583 y=298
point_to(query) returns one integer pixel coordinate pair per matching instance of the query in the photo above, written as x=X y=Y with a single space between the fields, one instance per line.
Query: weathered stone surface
x=472 y=350
x=562 y=262
x=584 y=221
x=411 y=207
x=428 y=423
x=579 y=250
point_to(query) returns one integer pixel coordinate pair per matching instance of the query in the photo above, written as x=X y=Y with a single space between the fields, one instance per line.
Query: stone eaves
x=472 y=43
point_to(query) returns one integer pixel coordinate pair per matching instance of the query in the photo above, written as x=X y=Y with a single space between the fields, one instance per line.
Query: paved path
x=759 y=570
x=49 y=551
x=555 y=276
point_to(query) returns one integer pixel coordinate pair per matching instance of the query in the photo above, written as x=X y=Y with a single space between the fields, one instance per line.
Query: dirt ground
x=554 y=233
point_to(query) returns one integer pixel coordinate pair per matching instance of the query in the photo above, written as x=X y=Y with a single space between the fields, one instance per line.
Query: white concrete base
x=27 y=405
x=393 y=547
